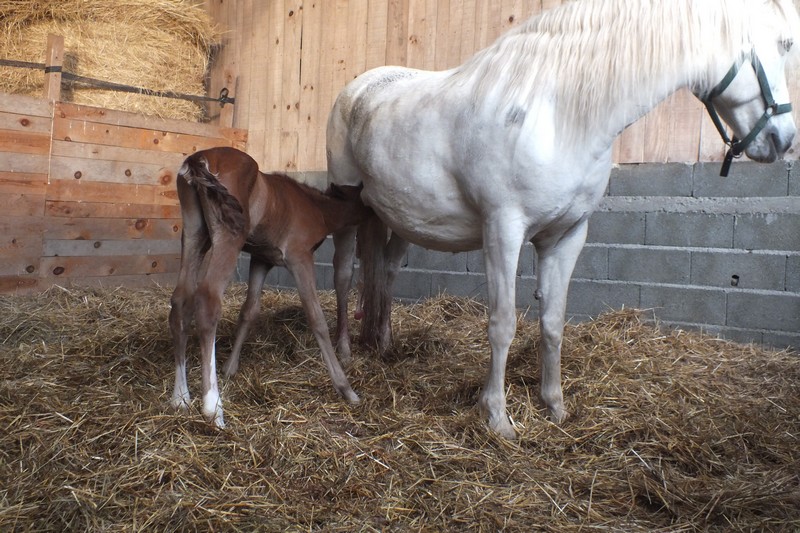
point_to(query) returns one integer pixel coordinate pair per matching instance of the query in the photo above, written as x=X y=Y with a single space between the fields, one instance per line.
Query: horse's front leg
x=344 y=243
x=248 y=313
x=556 y=261
x=302 y=268
x=502 y=242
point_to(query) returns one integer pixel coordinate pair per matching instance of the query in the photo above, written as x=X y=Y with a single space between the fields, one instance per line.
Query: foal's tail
x=376 y=296
x=220 y=204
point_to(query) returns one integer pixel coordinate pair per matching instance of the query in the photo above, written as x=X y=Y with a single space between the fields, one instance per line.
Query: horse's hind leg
x=302 y=269
x=180 y=319
x=344 y=242
x=220 y=262
x=556 y=262
x=249 y=312
x=193 y=238
x=395 y=251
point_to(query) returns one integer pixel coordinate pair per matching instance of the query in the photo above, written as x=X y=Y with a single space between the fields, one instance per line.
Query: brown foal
x=228 y=205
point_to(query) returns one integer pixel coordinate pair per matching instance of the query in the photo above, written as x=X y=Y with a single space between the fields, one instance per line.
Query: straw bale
x=162 y=45
x=669 y=430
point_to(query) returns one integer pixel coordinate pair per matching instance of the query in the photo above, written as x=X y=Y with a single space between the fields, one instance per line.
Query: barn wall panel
x=89 y=194
x=294 y=56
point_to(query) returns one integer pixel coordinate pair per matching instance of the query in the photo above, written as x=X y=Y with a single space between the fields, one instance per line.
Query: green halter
x=735 y=146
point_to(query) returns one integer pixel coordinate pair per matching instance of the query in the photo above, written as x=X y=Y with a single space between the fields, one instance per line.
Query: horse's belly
x=432 y=222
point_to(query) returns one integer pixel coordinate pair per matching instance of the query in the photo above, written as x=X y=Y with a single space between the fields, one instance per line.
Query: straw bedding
x=669 y=431
x=162 y=45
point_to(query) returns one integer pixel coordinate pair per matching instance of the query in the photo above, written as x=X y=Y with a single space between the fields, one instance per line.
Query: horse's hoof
x=344 y=351
x=557 y=414
x=503 y=428
x=351 y=397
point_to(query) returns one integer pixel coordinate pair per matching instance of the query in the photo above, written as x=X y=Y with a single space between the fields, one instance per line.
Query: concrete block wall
x=698 y=250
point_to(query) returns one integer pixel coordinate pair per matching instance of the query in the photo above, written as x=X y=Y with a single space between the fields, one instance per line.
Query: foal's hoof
x=229 y=369
x=180 y=403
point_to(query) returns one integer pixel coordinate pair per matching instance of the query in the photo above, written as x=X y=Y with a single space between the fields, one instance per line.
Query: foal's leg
x=180 y=319
x=502 y=240
x=344 y=242
x=302 y=269
x=193 y=238
x=249 y=312
x=220 y=262
x=556 y=261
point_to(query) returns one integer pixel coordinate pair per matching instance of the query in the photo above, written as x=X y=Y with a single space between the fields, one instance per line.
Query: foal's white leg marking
x=212 y=403
x=555 y=266
x=180 y=393
x=502 y=244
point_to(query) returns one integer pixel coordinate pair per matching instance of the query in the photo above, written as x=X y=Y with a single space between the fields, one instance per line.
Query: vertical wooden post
x=52 y=70
x=229 y=81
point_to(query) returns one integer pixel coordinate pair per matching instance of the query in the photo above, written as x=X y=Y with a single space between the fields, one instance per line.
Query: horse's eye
x=787 y=44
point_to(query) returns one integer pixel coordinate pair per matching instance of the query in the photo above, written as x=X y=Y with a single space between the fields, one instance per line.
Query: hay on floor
x=163 y=45
x=669 y=431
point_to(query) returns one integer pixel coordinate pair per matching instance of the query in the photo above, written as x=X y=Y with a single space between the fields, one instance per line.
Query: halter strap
x=735 y=146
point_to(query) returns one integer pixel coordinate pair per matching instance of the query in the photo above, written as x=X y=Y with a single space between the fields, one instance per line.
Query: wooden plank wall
x=294 y=56
x=89 y=194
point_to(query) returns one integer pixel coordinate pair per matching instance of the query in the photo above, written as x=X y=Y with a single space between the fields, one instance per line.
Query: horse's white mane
x=590 y=53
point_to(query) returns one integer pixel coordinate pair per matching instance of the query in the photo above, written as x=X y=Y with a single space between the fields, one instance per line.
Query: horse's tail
x=376 y=296
x=220 y=204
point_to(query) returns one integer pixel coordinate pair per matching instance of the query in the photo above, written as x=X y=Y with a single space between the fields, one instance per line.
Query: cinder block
x=279 y=277
x=654 y=265
x=793 y=273
x=475 y=261
x=778 y=312
x=324 y=277
x=794 y=178
x=525 y=288
x=648 y=179
x=767 y=232
x=690 y=229
x=242 y=267
x=421 y=259
x=468 y=285
x=590 y=298
x=741 y=270
x=525 y=265
x=782 y=340
x=746 y=179
x=617 y=228
x=687 y=305
x=412 y=284
x=324 y=254
x=592 y=263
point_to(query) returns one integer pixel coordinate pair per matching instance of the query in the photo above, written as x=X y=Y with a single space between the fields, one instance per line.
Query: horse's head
x=752 y=96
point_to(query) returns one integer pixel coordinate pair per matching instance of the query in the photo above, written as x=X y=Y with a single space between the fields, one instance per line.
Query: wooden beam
x=52 y=70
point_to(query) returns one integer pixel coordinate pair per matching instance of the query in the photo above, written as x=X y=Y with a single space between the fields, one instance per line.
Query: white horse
x=515 y=145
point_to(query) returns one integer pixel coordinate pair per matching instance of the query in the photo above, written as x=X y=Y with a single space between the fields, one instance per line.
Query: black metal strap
x=68 y=78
